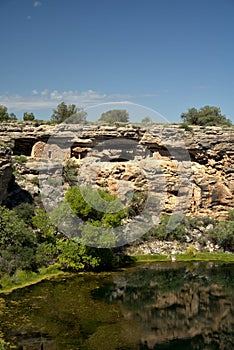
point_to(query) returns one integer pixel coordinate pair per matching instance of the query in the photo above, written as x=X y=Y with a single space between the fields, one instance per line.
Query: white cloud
x=45 y=99
x=44 y=92
x=37 y=4
x=55 y=95
x=29 y=18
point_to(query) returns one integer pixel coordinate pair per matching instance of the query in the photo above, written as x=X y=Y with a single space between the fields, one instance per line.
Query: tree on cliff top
x=64 y=111
x=207 y=115
x=4 y=116
x=114 y=116
x=28 y=117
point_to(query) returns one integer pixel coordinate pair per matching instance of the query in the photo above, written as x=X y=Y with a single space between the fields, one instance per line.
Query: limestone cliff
x=5 y=172
x=194 y=168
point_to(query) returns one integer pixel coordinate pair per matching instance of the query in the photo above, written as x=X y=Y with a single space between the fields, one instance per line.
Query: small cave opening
x=118 y=160
x=23 y=146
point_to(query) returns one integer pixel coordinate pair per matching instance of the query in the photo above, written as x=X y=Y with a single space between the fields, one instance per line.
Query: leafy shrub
x=137 y=203
x=191 y=250
x=17 y=243
x=165 y=230
x=231 y=215
x=96 y=205
x=4 y=345
x=195 y=222
x=74 y=256
x=70 y=172
x=25 y=211
x=97 y=236
x=46 y=254
x=186 y=127
x=21 y=159
x=223 y=235
x=46 y=229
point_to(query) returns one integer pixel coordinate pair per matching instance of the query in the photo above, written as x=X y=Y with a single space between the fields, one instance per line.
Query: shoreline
x=142 y=258
x=34 y=280
x=206 y=257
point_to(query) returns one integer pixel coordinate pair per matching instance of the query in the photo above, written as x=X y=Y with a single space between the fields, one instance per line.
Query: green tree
x=17 y=243
x=4 y=116
x=28 y=117
x=12 y=116
x=96 y=206
x=146 y=120
x=207 y=115
x=25 y=211
x=64 y=111
x=46 y=229
x=77 y=203
x=74 y=256
x=223 y=235
x=115 y=116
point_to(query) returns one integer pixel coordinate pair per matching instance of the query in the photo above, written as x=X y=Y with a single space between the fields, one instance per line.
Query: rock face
x=5 y=172
x=191 y=171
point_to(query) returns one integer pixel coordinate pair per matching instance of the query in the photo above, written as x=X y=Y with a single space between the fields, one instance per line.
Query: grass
x=223 y=257
x=23 y=279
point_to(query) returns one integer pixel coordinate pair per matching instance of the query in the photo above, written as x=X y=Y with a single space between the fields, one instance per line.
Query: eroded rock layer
x=5 y=172
x=194 y=168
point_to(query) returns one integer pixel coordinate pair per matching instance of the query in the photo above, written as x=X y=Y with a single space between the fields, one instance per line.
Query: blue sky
x=168 y=55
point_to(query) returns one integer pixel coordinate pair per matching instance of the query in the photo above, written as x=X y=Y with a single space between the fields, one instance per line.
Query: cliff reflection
x=153 y=306
x=187 y=307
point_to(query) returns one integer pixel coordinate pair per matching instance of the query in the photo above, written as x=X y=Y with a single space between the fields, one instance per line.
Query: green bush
x=74 y=256
x=46 y=230
x=169 y=231
x=17 y=243
x=97 y=236
x=21 y=159
x=96 y=205
x=46 y=254
x=231 y=215
x=186 y=127
x=25 y=211
x=223 y=235
x=70 y=172
x=4 y=345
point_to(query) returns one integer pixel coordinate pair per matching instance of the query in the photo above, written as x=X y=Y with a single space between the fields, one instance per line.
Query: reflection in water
x=151 y=306
x=178 y=308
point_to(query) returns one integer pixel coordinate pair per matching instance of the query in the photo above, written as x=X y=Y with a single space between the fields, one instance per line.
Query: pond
x=147 y=306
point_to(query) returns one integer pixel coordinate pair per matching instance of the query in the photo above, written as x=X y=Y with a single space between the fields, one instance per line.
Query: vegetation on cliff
x=207 y=115
x=30 y=241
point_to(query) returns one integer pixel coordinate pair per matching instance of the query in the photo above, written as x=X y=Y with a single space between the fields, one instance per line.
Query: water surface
x=148 y=306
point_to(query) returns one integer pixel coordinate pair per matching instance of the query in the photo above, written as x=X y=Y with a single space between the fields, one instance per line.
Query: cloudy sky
x=167 y=55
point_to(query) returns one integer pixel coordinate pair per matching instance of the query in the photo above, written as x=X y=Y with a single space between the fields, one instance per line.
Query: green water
x=148 y=306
